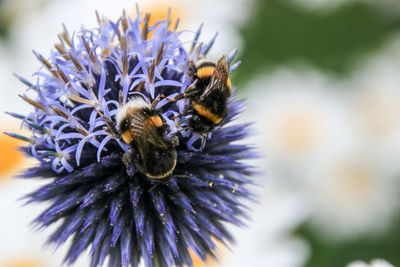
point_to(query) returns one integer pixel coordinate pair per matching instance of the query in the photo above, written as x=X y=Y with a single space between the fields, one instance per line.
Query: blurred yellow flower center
x=377 y=111
x=159 y=11
x=210 y=261
x=350 y=185
x=22 y=263
x=295 y=131
x=10 y=157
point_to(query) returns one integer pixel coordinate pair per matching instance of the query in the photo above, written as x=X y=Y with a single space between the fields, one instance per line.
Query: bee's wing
x=215 y=84
x=144 y=131
x=219 y=78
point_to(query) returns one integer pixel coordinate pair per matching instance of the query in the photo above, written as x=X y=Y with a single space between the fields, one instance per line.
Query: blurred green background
x=279 y=32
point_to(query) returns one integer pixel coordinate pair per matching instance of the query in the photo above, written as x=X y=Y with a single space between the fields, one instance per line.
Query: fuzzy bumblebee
x=143 y=127
x=208 y=95
x=105 y=133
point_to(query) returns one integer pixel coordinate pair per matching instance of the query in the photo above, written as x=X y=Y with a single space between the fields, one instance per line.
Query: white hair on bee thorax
x=134 y=103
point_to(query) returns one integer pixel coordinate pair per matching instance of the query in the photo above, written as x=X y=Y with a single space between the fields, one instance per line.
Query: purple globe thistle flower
x=104 y=204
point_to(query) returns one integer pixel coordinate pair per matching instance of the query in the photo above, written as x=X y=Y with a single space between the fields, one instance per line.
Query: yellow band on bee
x=163 y=175
x=205 y=72
x=206 y=113
x=228 y=83
x=156 y=120
x=127 y=137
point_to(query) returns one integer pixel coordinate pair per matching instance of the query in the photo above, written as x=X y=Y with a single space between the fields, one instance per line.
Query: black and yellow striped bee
x=208 y=95
x=144 y=129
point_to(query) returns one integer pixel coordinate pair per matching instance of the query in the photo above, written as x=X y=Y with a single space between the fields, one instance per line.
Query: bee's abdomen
x=159 y=163
x=207 y=113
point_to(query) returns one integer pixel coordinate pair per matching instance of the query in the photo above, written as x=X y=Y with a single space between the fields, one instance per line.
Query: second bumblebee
x=208 y=95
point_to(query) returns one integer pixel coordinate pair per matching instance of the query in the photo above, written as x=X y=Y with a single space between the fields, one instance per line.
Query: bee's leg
x=180 y=115
x=191 y=89
x=184 y=112
x=175 y=98
x=110 y=125
x=203 y=141
x=127 y=160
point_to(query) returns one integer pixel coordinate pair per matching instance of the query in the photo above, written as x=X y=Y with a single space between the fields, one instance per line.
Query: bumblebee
x=144 y=129
x=208 y=95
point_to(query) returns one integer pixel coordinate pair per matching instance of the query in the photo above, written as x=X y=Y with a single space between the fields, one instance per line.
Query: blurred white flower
x=374 y=103
x=333 y=152
x=19 y=243
x=349 y=190
x=268 y=241
x=298 y=118
x=374 y=263
x=356 y=182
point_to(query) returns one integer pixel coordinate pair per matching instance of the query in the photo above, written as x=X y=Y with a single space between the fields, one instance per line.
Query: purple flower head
x=106 y=206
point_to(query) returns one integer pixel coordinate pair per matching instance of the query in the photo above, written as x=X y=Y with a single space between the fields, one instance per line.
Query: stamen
x=32 y=102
